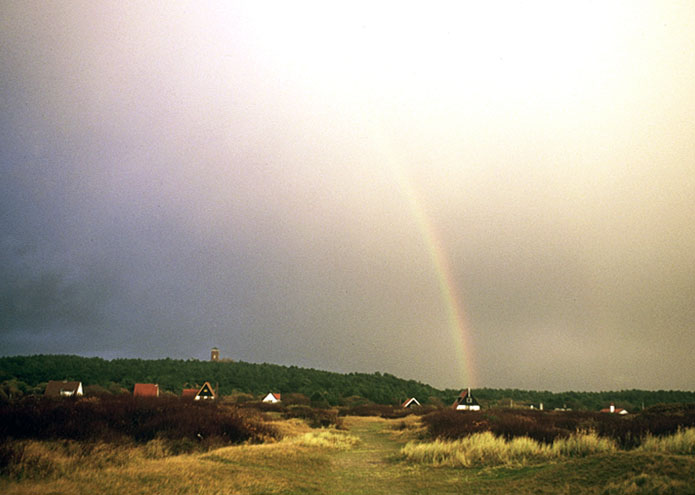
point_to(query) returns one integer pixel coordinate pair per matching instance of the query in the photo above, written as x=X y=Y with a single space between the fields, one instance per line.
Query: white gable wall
x=464 y=407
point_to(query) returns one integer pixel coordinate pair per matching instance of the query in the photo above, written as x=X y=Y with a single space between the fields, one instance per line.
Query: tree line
x=28 y=375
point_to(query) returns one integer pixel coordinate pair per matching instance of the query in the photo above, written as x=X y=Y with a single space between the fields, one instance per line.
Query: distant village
x=466 y=401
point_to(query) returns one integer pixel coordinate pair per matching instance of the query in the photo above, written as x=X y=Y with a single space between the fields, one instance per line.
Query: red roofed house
x=412 y=402
x=146 y=390
x=65 y=388
x=272 y=397
x=614 y=410
x=189 y=393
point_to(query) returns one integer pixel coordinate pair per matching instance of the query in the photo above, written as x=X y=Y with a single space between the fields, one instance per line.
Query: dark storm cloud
x=35 y=302
x=39 y=292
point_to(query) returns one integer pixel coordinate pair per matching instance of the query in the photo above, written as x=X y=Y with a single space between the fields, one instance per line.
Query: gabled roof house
x=55 y=388
x=206 y=392
x=272 y=397
x=466 y=402
x=412 y=402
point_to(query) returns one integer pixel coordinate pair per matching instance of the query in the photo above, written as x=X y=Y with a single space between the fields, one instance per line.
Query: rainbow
x=460 y=332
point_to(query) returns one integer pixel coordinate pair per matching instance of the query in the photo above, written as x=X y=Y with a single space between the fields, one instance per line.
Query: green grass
x=365 y=458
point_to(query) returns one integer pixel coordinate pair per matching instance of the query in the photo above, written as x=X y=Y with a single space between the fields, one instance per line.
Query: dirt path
x=372 y=466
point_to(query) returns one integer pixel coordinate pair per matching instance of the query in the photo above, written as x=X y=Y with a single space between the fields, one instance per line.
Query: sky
x=487 y=194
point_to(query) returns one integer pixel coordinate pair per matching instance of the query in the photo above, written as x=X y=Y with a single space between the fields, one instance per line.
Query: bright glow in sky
x=469 y=193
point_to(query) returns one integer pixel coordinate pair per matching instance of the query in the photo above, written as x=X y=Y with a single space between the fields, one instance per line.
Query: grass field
x=366 y=457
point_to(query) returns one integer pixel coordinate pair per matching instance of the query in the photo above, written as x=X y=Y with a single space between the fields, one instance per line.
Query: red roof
x=189 y=393
x=146 y=390
x=616 y=410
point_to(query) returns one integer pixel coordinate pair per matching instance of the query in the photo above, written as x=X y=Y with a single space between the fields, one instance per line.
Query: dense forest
x=27 y=375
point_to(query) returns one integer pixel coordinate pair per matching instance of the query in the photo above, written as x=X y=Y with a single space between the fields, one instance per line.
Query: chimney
x=612 y=407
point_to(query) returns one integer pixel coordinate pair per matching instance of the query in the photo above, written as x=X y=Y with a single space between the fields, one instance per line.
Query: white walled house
x=55 y=388
x=272 y=398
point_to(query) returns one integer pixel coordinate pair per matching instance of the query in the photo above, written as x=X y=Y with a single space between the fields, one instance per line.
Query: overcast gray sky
x=494 y=194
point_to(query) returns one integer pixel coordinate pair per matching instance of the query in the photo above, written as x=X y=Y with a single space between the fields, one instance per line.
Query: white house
x=272 y=397
x=614 y=410
x=63 y=388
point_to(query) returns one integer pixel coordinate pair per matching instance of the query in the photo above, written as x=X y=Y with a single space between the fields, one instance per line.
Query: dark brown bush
x=380 y=410
x=546 y=426
x=117 y=418
x=315 y=417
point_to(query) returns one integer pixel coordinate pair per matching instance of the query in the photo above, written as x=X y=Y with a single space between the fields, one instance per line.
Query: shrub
x=277 y=407
x=120 y=418
x=378 y=410
x=316 y=418
x=549 y=426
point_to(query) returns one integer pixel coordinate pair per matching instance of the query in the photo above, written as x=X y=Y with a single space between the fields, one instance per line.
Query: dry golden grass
x=408 y=428
x=486 y=449
x=288 y=428
x=70 y=467
x=583 y=444
x=682 y=442
x=327 y=439
x=363 y=460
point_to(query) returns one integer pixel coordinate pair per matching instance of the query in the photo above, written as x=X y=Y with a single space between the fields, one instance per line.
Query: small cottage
x=466 y=402
x=272 y=398
x=614 y=410
x=63 y=388
x=189 y=393
x=412 y=402
x=146 y=390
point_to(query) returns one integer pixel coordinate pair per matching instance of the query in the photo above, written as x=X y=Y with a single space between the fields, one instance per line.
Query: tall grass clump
x=487 y=449
x=327 y=439
x=582 y=445
x=479 y=449
x=681 y=442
